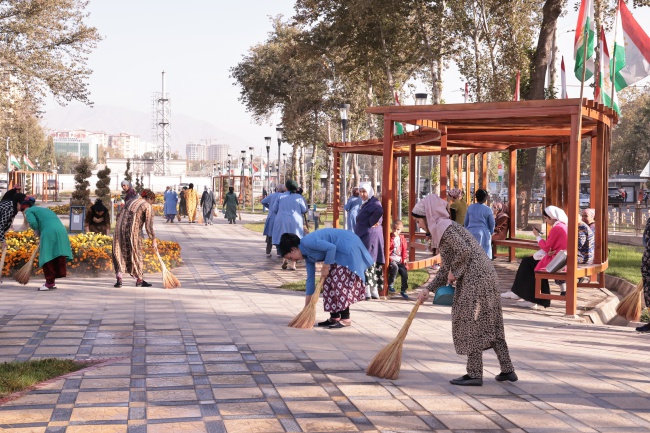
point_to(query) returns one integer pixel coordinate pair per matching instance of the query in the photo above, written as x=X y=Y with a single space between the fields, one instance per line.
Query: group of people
x=186 y=203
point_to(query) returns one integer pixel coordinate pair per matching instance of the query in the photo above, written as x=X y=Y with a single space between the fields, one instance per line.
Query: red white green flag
x=564 y=94
x=585 y=35
x=605 y=88
x=632 y=49
x=28 y=163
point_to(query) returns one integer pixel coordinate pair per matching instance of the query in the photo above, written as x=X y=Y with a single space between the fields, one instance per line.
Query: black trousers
x=393 y=269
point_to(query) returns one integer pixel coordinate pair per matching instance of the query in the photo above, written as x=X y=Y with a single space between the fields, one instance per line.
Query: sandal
x=341 y=324
x=327 y=322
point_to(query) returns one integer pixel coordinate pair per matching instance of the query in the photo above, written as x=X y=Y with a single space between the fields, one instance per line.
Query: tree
x=44 y=49
x=81 y=194
x=127 y=172
x=138 y=185
x=103 y=184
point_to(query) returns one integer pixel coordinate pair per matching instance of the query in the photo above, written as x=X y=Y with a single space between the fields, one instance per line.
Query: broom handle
x=409 y=319
x=2 y=261
x=162 y=264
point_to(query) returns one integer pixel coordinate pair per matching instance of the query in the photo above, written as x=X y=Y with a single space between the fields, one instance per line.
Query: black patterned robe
x=127 y=241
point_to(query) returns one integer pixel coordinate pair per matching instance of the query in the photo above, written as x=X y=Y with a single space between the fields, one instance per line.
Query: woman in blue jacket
x=288 y=210
x=352 y=208
x=369 y=230
x=345 y=260
x=479 y=220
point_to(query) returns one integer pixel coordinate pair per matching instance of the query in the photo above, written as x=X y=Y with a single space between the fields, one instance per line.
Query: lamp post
x=38 y=166
x=279 y=131
x=8 y=154
x=284 y=166
x=268 y=164
x=344 y=109
x=49 y=166
x=243 y=161
x=250 y=149
x=420 y=99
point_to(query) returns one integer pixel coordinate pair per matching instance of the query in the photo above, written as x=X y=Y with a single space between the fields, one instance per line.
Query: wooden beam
x=388 y=185
x=512 y=199
x=336 y=201
x=412 y=201
x=572 y=241
x=443 y=164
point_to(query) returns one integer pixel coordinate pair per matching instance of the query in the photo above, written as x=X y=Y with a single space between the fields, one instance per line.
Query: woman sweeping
x=344 y=259
x=230 y=202
x=476 y=316
x=9 y=208
x=127 y=241
x=55 y=249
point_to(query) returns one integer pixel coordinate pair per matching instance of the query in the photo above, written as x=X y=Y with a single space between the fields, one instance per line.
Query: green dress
x=53 y=235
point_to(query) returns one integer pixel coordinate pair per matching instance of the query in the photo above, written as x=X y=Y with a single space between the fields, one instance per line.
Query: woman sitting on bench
x=524 y=284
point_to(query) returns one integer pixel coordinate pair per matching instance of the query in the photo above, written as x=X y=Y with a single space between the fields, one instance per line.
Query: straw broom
x=630 y=307
x=23 y=274
x=169 y=280
x=306 y=318
x=2 y=261
x=388 y=361
x=239 y=213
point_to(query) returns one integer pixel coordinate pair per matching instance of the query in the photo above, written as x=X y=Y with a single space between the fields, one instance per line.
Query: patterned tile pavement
x=217 y=356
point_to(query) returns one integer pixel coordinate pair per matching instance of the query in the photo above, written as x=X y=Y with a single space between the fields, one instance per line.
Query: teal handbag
x=444 y=296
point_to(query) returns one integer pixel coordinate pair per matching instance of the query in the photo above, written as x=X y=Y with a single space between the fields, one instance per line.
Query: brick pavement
x=217 y=356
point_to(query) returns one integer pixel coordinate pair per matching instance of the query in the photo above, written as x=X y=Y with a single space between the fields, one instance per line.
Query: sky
x=196 y=42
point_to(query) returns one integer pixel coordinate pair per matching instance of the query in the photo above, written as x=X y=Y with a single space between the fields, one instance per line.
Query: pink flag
x=564 y=94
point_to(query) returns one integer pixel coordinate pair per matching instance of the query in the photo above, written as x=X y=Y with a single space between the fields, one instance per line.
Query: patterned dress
x=342 y=288
x=6 y=218
x=127 y=241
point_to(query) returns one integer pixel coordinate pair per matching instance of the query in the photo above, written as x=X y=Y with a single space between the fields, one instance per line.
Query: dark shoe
x=118 y=284
x=143 y=283
x=391 y=289
x=405 y=296
x=644 y=328
x=467 y=381
x=367 y=298
x=327 y=322
x=375 y=297
x=511 y=377
x=562 y=293
x=339 y=324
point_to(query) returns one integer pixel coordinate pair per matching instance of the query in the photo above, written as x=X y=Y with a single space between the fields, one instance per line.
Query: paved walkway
x=217 y=356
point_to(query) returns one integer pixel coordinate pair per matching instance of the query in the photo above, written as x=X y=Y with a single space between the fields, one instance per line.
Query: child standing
x=398 y=259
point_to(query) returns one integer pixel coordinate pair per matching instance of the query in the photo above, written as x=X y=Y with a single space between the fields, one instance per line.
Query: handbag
x=557 y=262
x=444 y=295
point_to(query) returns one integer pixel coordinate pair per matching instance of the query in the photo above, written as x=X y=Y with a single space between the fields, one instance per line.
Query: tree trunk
x=311 y=172
x=527 y=159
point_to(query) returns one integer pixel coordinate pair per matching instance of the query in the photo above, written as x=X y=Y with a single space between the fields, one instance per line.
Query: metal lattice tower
x=161 y=114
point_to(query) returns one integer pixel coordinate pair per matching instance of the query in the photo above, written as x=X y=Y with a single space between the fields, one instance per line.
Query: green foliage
x=17 y=376
x=103 y=183
x=417 y=278
x=127 y=173
x=138 y=186
x=630 y=151
x=28 y=185
x=81 y=194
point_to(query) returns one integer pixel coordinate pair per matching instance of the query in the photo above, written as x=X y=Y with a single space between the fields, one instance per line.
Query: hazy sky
x=196 y=42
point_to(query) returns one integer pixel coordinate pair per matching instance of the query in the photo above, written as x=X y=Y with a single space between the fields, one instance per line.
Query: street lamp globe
x=421 y=98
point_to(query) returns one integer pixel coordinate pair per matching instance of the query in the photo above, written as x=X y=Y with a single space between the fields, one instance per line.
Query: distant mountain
x=112 y=120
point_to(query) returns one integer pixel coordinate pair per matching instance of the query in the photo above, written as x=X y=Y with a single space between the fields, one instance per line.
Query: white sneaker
x=531 y=305
x=43 y=288
x=509 y=295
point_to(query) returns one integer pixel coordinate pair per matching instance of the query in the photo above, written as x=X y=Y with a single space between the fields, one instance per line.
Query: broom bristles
x=306 y=318
x=388 y=361
x=24 y=273
x=169 y=280
x=630 y=307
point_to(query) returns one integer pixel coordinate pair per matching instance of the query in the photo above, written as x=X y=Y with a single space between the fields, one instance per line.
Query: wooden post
x=572 y=241
x=336 y=202
x=412 y=199
x=468 y=178
x=395 y=190
x=444 y=163
x=484 y=171
x=388 y=185
x=512 y=199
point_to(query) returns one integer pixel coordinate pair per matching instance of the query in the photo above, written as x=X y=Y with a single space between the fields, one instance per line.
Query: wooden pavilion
x=463 y=135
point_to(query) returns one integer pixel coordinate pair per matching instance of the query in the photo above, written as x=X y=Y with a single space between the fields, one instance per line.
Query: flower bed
x=61 y=210
x=91 y=251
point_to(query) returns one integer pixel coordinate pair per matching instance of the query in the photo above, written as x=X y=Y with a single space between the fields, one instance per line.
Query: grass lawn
x=16 y=376
x=416 y=279
x=256 y=227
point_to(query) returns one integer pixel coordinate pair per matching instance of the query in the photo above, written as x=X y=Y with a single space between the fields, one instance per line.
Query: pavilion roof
x=483 y=127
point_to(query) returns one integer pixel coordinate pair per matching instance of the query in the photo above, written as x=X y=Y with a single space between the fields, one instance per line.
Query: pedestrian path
x=216 y=356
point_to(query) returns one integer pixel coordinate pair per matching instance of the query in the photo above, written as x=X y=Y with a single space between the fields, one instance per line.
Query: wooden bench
x=582 y=271
x=513 y=243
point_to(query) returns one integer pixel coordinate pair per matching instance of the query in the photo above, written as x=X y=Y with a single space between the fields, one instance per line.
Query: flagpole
x=612 y=70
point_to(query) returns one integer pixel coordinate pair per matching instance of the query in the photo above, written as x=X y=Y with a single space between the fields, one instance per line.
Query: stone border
x=605 y=312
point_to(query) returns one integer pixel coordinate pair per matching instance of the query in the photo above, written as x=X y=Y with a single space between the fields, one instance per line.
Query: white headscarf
x=368 y=187
x=557 y=214
x=435 y=209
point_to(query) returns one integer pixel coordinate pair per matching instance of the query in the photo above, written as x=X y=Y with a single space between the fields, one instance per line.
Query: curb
x=604 y=313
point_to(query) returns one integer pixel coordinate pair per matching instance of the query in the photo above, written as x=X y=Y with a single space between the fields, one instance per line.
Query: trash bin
x=77 y=218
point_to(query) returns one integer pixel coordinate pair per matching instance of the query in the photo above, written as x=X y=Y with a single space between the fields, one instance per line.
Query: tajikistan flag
x=605 y=88
x=585 y=35
x=14 y=161
x=632 y=49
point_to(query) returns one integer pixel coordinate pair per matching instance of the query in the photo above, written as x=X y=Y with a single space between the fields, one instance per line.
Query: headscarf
x=454 y=192
x=281 y=188
x=9 y=195
x=557 y=214
x=435 y=210
x=591 y=213
x=498 y=206
x=292 y=185
x=27 y=202
x=368 y=187
x=205 y=188
x=98 y=206
x=126 y=182
x=17 y=199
